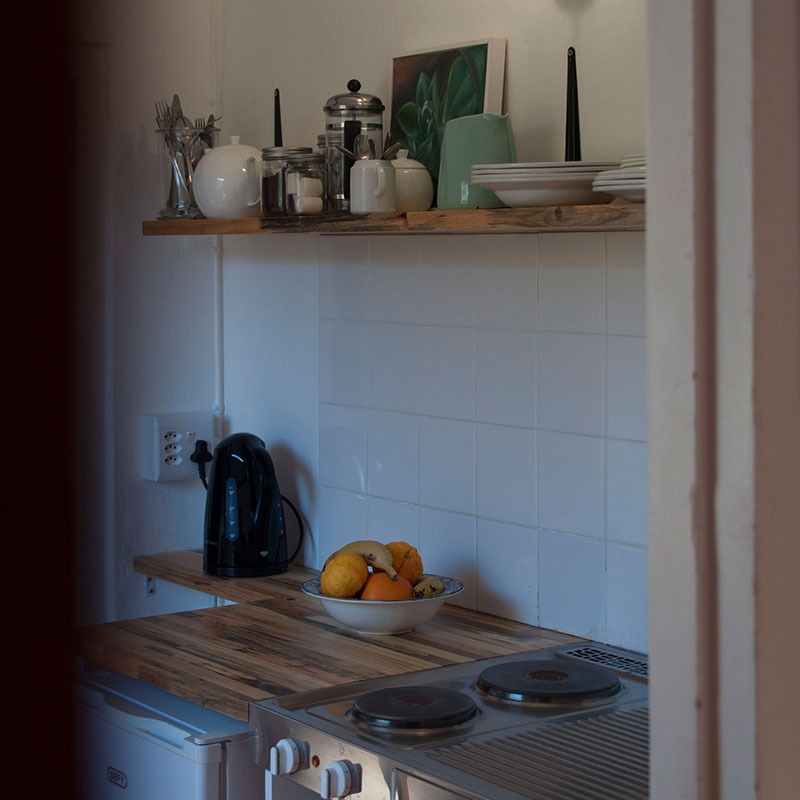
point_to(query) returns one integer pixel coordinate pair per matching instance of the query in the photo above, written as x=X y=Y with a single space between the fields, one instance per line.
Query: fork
x=206 y=128
x=163 y=123
x=163 y=115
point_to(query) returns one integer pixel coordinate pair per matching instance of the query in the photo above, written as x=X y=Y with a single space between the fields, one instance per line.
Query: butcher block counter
x=277 y=640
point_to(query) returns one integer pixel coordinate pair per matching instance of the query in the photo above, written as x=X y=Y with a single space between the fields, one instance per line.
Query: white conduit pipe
x=219 y=341
x=215 y=47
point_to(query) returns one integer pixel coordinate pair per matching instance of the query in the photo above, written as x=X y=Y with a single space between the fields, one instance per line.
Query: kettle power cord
x=301 y=531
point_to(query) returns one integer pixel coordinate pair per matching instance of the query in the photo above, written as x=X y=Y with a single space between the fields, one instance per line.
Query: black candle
x=573 y=133
x=278 y=131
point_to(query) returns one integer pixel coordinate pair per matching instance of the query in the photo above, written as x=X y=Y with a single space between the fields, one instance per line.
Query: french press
x=353 y=121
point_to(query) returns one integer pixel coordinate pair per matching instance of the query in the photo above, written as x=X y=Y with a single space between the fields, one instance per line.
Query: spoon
x=364 y=146
x=181 y=130
x=390 y=151
x=178 y=118
x=349 y=153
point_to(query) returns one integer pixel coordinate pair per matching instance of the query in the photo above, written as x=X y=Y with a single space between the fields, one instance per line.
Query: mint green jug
x=475 y=139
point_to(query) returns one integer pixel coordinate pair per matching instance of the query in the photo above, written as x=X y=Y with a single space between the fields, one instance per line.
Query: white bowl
x=526 y=198
x=384 y=616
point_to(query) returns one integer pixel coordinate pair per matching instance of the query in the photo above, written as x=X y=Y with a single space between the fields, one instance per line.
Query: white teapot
x=227 y=181
x=413 y=184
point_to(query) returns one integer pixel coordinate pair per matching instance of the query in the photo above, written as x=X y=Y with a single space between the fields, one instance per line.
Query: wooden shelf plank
x=620 y=215
x=336 y=223
x=617 y=216
x=321 y=223
x=200 y=227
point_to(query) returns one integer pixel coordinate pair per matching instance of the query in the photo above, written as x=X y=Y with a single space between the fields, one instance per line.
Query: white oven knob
x=285 y=757
x=339 y=779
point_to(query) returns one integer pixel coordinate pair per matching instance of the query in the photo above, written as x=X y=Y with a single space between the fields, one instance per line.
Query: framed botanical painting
x=431 y=87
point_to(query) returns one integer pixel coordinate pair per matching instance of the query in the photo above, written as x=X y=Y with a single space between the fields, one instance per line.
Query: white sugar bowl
x=227 y=181
x=413 y=184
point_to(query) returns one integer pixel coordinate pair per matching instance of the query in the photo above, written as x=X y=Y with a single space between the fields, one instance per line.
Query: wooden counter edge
x=185 y=568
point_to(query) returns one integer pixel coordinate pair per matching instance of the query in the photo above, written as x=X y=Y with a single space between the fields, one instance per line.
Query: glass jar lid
x=305 y=158
x=280 y=153
x=353 y=100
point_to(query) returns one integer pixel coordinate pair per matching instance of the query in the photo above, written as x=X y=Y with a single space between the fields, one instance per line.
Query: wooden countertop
x=277 y=640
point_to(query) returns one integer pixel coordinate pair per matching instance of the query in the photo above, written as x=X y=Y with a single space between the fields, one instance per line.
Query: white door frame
x=723 y=305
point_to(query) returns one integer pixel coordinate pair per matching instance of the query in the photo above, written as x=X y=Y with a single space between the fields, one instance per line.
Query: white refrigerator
x=136 y=742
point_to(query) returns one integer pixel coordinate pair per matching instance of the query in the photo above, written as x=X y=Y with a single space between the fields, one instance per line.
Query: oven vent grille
x=602 y=757
x=594 y=655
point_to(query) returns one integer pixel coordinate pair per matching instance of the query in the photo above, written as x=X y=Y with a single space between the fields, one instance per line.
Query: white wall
x=309 y=49
x=480 y=397
x=227 y=57
x=484 y=399
x=149 y=323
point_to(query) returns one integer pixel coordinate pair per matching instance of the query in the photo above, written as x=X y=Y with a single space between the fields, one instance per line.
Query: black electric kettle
x=245 y=528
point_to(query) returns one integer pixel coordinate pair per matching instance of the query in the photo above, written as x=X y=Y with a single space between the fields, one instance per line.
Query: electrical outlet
x=169 y=441
x=149 y=585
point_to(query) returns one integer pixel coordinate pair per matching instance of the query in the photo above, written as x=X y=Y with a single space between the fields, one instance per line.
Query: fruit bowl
x=384 y=616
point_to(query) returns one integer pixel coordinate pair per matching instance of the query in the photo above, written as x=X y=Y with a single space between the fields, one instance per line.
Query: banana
x=374 y=553
x=429 y=586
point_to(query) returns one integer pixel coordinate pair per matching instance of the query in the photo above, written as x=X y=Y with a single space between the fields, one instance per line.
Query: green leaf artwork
x=454 y=87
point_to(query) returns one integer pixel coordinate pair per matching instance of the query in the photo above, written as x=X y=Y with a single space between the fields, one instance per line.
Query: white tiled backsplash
x=483 y=397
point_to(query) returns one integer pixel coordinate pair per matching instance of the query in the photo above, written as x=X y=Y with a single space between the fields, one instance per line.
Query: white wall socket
x=169 y=441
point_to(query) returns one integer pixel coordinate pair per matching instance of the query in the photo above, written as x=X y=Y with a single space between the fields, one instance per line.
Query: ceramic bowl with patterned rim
x=384 y=616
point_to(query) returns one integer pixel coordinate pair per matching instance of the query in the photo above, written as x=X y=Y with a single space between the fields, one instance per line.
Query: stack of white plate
x=629 y=181
x=545 y=183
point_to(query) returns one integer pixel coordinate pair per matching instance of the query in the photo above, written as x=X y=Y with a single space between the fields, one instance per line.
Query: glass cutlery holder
x=179 y=151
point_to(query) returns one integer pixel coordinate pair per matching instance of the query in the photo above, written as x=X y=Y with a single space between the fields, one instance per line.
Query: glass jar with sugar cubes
x=305 y=184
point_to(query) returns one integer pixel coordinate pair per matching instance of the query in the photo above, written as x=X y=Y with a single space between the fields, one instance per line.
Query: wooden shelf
x=620 y=215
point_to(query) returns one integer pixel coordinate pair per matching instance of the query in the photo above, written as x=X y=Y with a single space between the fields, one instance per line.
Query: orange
x=406 y=560
x=380 y=586
x=343 y=576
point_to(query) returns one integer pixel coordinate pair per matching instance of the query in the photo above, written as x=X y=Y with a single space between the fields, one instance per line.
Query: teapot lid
x=402 y=161
x=234 y=144
x=353 y=100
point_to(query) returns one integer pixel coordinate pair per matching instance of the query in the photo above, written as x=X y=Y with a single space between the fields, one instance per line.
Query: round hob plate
x=413 y=707
x=548 y=681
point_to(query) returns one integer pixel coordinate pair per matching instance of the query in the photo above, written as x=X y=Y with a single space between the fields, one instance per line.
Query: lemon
x=344 y=576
